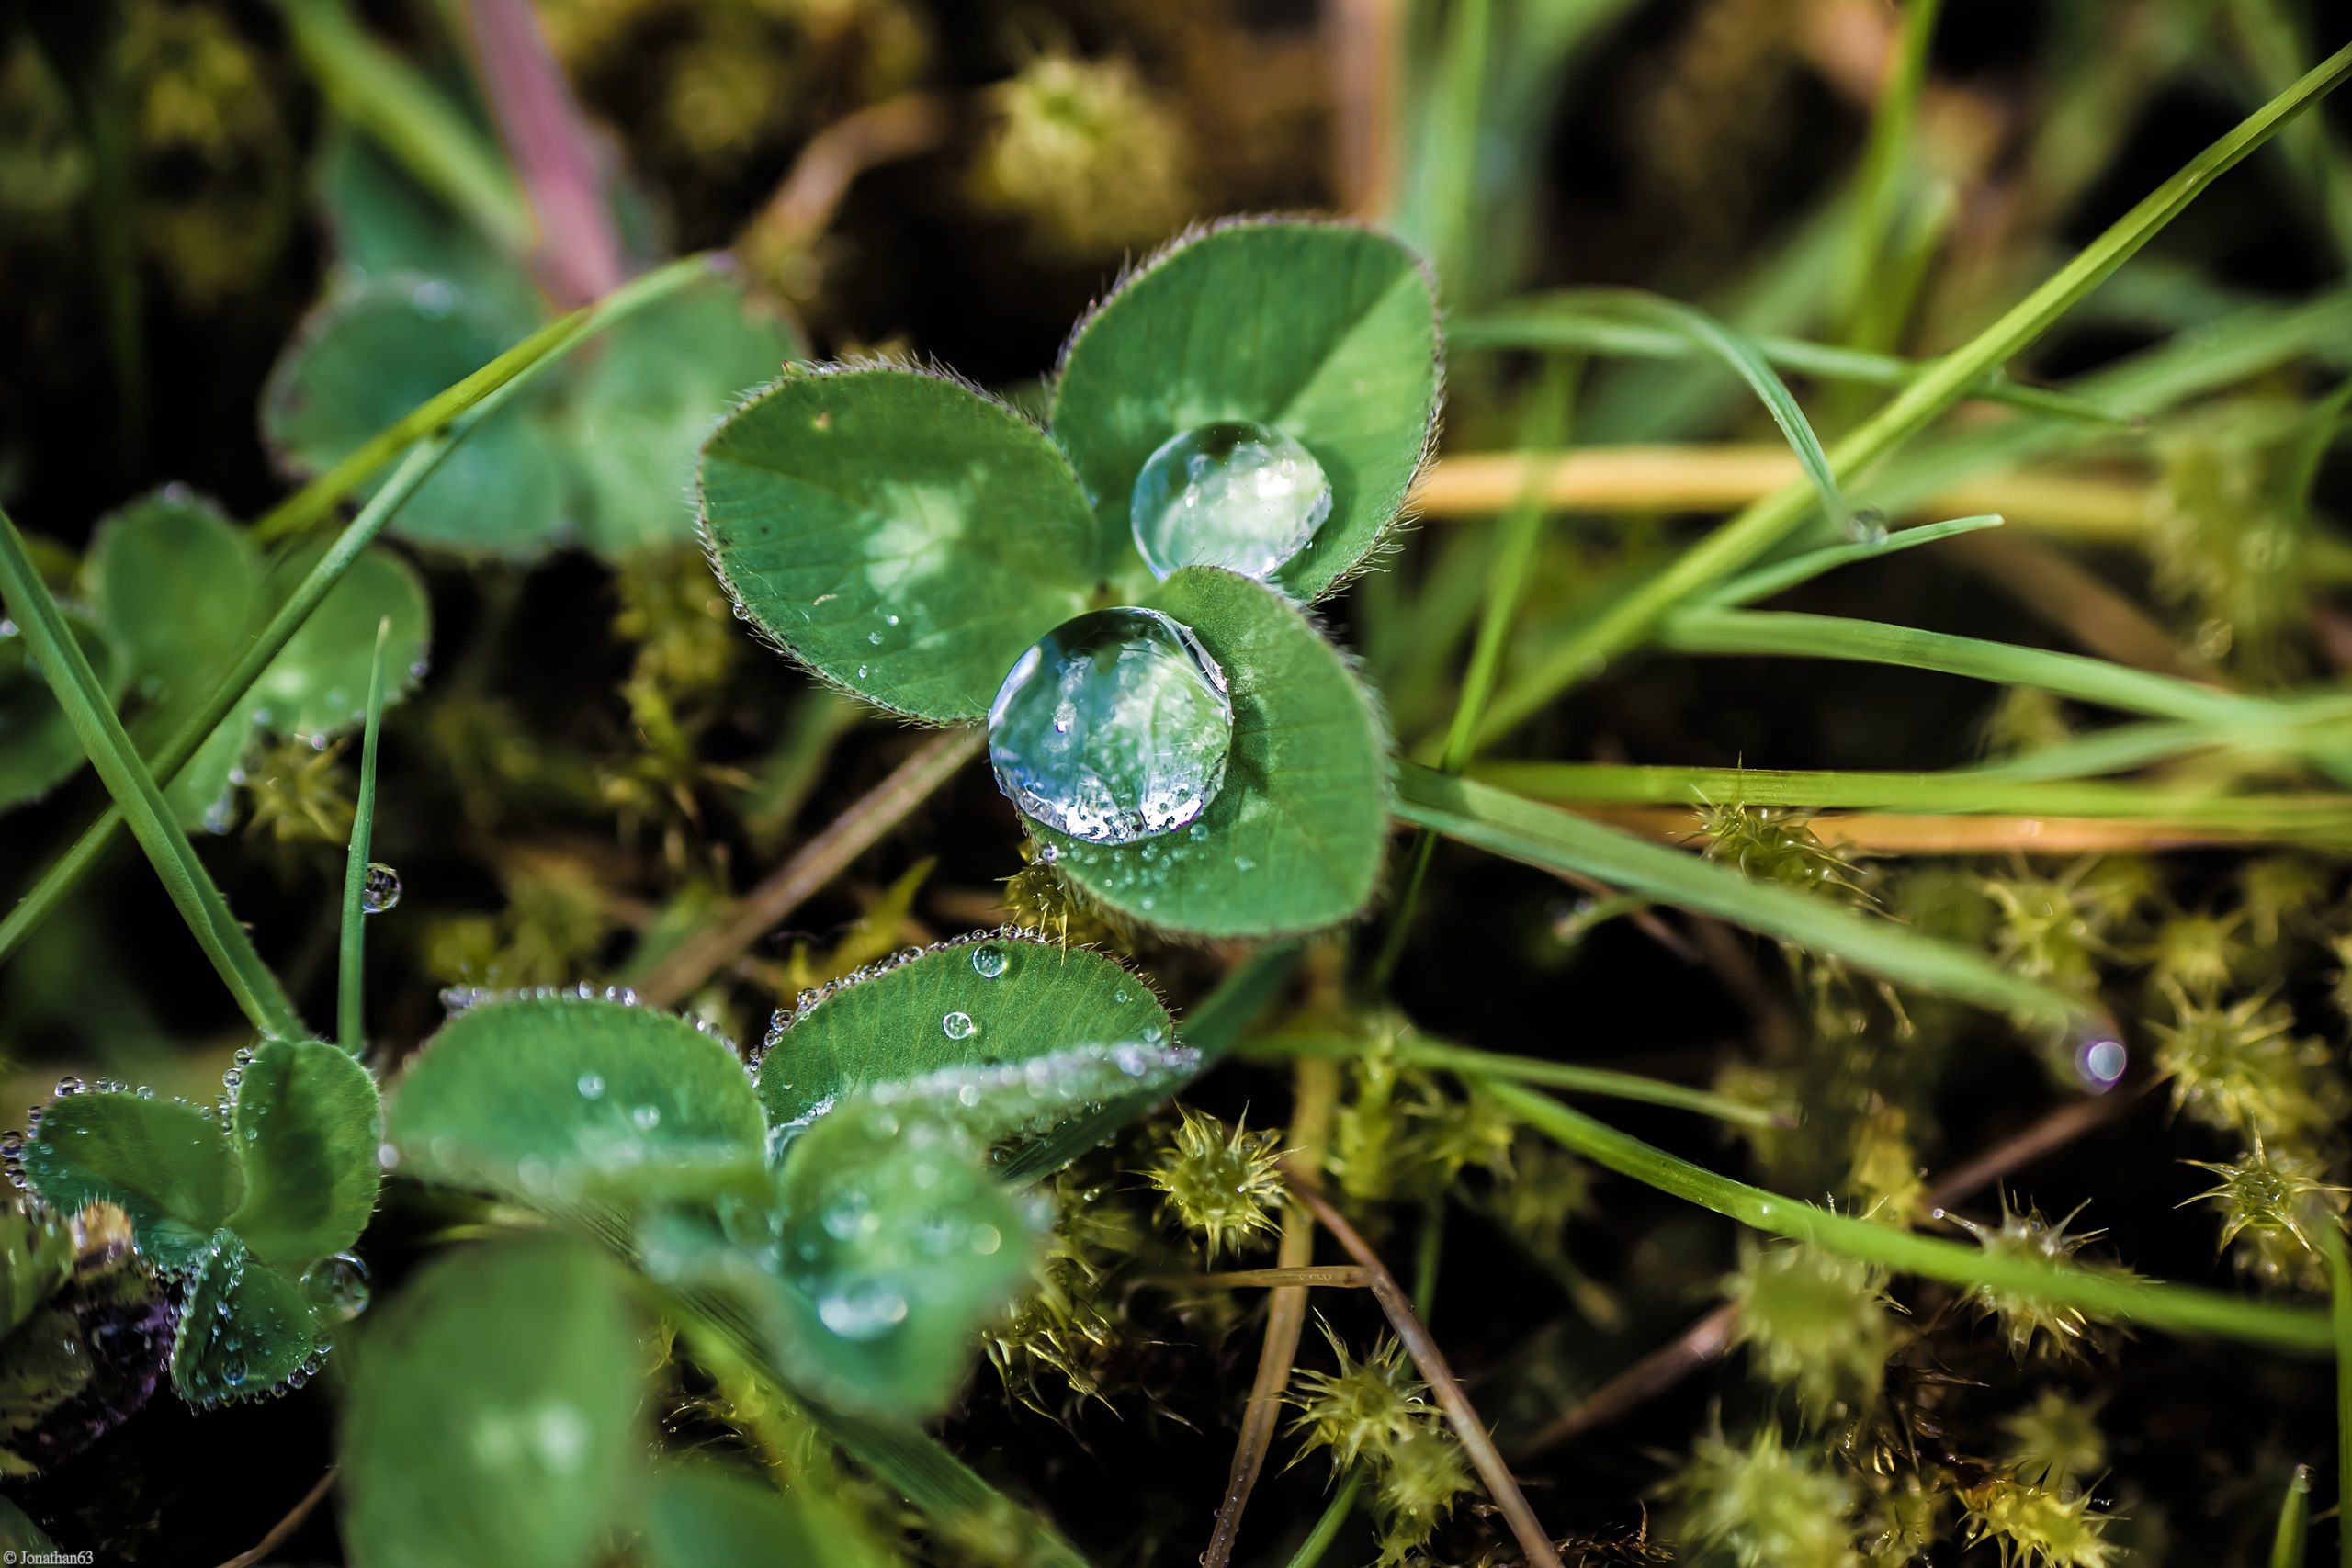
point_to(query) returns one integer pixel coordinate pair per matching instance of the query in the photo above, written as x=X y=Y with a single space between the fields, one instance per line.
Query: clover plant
x=1121 y=597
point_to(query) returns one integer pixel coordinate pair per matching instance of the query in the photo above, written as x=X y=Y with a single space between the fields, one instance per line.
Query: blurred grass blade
x=1754 y=530
x=1413 y=1051
x=1886 y=169
x=2179 y=1309
x=2330 y=1230
x=352 y=967
x=2313 y=819
x=139 y=799
x=1766 y=580
x=1555 y=841
x=62 y=874
x=380 y=93
x=1792 y=635
x=1560 y=321
x=2289 y=1540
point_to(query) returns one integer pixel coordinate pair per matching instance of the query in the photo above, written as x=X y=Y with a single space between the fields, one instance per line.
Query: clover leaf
x=598 y=450
x=1183 y=743
x=179 y=587
x=38 y=747
x=841 y=1208
x=249 y=1208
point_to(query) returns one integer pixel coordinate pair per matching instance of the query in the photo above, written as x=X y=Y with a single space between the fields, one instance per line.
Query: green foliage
x=1763 y=1505
x=998 y=999
x=600 y=452
x=1813 y=1320
x=2033 y=1527
x=1323 y=331
x=551 y=1098
x=180 y=586
x=38 y=749
x=698 y=1516
x=495 y=1403
x=238 y=1204
x=163 y=1162
x=909 y=540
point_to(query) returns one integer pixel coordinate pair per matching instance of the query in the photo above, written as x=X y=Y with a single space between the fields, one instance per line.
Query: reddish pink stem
x=554 y=154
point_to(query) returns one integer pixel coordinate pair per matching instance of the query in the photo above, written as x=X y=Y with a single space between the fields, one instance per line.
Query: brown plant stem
x=1310 y=1129
x=1718 y=478
x=804 y=204
x=1534 y=1541
x=1709 y=1337
x=818 y=861
x=279 y=1532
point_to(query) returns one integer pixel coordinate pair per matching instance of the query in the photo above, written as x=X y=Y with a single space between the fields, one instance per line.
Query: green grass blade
x=2330 y=1230
x=1558 y=321
x=139 y=800
x=62 y=876
x=380 y=92
x=1792 y=635
x=2310 y=820
x=2179 y=1309
x=1748 y=362
x=1757 y=528
x=351 y=969
x=2288 y=1541
x=1416 y=1051
x=1327 y=1529
x=1555 y=841
x=1778 y=577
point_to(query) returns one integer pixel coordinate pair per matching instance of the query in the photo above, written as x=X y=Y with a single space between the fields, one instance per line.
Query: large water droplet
x=958 y=1026
x=380 y=889
x=1232 y=494
x=862 y=1309
x=337 y=1287
x=989 y=961
x=1112 y=727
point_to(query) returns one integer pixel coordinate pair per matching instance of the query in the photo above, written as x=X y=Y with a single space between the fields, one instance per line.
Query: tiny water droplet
x=337 y=1286
x=68 y=1085
x=647 y=1117
x=1112 y=727
x=1867 y=525
x=958 y=1026
x=591 y=1086
x=379 y=890
x=989 y=961
x=2100 y=1060
x=1233 y=494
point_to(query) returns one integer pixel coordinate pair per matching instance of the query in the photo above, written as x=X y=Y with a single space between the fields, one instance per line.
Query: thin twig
x=284 y=1527
x=1364 y=41
x=1340 y=1276
x=804 y=204
x=1430 y=1361
x=1709 y=1337
x=821 y=859
x=1310 y=1126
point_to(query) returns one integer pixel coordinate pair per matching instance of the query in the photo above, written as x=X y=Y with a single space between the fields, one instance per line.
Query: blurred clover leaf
x=249 y=1208
x=836 y=1200
x=178 y=587
x=1234 y=432
x=600 y=450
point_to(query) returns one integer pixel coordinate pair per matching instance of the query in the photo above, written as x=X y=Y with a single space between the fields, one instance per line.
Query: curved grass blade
x=2085 y=679
x=1415 y=1052
x=62 y=874
x=1765 y=582
x=1736 y=349
x=1756 y=529
x=352 y=961
x=139 y=800
x=1562 y=321
x=1554 y=841
x=2179 y=1309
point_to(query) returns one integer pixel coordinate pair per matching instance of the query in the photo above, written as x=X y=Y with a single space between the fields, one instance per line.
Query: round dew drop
x=379 y=890
x=1242 y=496
x=1112 y=727
x=989 y=961
x=958 y=1026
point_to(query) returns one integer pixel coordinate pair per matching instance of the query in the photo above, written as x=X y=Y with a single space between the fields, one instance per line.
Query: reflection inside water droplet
x=381 y=890
x=1242 y=496
x=958 y=1026
x=1113 y=727
x=337 y=1287
x=989 y=961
